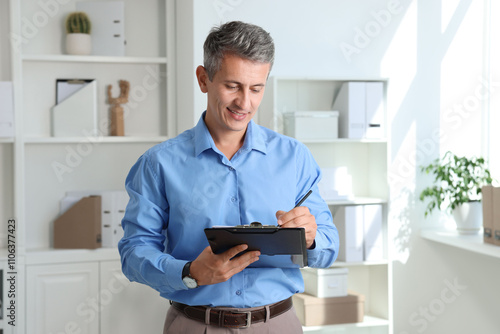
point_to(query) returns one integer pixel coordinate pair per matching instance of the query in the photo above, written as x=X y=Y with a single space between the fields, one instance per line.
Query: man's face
x=234 y=94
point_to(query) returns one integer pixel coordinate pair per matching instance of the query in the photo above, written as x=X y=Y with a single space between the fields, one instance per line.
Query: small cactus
x=78 y=22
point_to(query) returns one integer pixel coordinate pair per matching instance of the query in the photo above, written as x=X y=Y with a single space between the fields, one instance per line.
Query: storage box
x=322 y=283
x=314 y=311
x=312 y=125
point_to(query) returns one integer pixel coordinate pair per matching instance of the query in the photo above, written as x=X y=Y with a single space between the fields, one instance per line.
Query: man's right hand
x=210 y=268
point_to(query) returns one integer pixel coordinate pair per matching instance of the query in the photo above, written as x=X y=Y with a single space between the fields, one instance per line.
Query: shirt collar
x=254 y=138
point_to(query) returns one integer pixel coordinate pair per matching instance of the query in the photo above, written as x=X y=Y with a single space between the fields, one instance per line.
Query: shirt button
x=233 y=199
x=231 y=169
x=238 y=292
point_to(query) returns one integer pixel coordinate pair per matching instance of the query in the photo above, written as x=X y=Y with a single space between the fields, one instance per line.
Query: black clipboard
x=279 y=247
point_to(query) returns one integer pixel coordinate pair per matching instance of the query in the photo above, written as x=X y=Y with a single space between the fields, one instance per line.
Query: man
x=226 y=170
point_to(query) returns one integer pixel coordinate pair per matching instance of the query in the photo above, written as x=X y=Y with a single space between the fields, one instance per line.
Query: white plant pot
x=469 y=218
x=78 y=44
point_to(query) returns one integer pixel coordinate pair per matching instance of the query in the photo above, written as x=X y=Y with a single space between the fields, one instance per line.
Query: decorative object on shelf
x=457 y=189
x=78 y=29
x=117 y=124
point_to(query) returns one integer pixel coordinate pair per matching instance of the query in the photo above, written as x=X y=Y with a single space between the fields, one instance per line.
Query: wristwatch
x=189 y=281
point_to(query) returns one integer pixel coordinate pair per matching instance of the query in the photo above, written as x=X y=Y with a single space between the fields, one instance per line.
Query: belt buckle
x=248 y=320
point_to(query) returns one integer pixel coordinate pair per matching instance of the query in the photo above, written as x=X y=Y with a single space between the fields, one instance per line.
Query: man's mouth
x=236 y=113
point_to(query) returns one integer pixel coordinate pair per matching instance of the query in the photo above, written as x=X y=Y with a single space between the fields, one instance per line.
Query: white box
x=324 y=283
x=312 y=125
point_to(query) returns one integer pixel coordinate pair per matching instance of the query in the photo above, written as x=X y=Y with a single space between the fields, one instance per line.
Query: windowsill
x=472 y=243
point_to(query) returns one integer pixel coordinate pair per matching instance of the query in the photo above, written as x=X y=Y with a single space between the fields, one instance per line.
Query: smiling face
x=233 y=95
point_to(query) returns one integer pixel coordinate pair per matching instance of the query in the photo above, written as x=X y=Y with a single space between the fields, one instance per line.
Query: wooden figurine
x=117 y=124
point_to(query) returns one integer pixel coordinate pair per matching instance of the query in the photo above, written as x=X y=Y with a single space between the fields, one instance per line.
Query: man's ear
x=202 y=76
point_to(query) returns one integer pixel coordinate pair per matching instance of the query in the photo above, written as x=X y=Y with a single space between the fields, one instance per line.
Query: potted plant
x=78 y=29
x=457 y=189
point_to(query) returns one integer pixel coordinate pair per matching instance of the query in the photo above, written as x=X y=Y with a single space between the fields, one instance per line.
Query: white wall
x=432 y=53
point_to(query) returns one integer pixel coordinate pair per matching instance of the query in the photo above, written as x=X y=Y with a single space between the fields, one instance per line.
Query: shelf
x=104 y=139
x=471 y=243
x=344 y=141
x=368 y=321
x=6 y=140
x=52 y=256
x=357 y=201
x=357 y=264
x=95 y=59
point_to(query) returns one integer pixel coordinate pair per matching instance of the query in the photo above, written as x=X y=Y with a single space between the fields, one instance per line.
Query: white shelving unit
x=90 y=162
x=367 y=161
x=472 y=243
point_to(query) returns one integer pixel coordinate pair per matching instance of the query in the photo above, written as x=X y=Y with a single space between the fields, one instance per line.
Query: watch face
x=190 y=282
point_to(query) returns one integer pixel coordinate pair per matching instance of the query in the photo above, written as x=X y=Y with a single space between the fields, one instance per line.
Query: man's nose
x=243 y=100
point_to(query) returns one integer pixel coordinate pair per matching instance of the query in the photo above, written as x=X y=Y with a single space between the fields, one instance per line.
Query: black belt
x=233 y=318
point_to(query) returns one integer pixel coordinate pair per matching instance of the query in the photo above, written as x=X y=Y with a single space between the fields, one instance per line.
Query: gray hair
x=245 y=40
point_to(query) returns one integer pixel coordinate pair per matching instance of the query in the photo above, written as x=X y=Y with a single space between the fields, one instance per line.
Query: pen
x=304 y=198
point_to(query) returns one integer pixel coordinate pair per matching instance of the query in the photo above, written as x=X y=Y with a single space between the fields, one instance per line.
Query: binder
x=372 y=228
x=351 y=102
x=108 y=26
x=349 y=222
x=361 y=109
x=6 y=109
x=496 y=215
x=279 y=247
x=487 y=200
x=80 y=225
x=375 y=123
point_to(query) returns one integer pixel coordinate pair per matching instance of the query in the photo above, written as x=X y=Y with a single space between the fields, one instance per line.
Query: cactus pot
x=78 y=44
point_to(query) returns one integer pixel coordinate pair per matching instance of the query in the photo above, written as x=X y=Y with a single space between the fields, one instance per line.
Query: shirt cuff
x=174 y=271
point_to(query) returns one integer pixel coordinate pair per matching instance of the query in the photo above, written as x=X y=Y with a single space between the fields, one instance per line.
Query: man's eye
x=231 y=87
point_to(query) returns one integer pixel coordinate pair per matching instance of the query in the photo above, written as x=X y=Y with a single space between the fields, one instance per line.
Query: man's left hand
x=299 y=217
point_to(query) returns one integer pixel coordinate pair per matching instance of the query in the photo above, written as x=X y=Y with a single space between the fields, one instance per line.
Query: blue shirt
x=185 y=184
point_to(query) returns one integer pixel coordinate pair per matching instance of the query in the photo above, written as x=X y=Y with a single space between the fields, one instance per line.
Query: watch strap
x=186 y=269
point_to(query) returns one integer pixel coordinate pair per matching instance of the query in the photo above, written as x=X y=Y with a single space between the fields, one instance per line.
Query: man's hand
x=210 y=268
x=299 y=217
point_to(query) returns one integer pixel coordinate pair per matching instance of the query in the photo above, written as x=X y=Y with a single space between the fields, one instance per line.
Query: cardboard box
x=487 y=200
x=312 y=125
x=314 y=311
x=80 y=225
x=323 y=283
